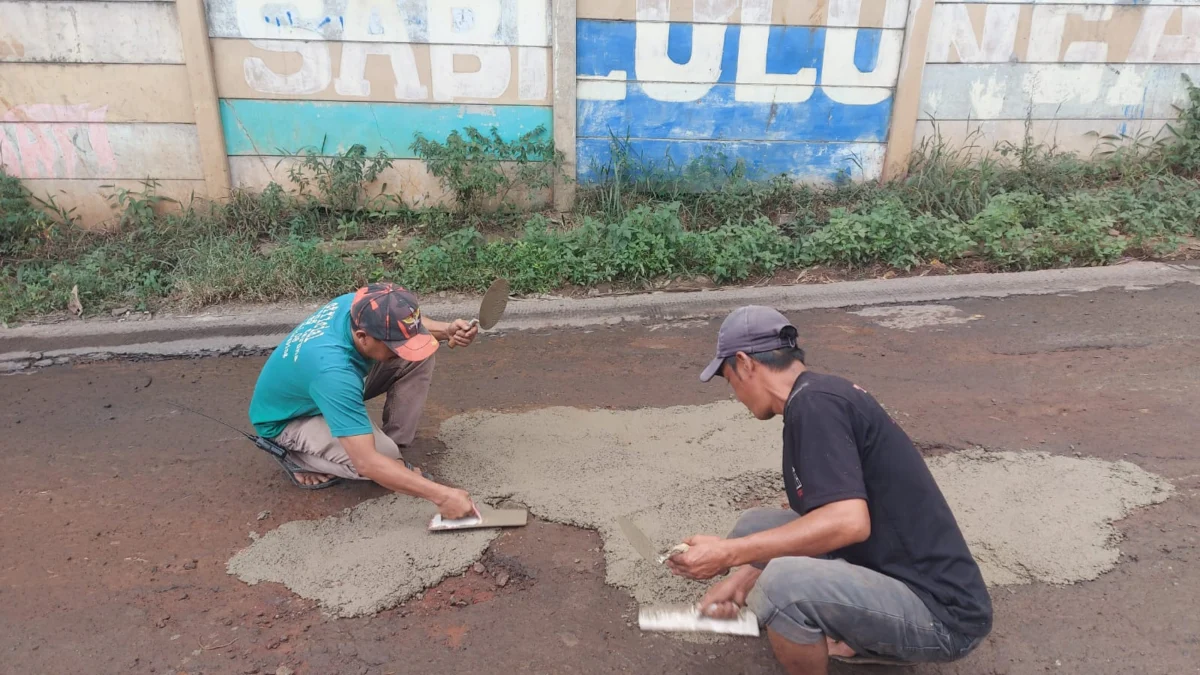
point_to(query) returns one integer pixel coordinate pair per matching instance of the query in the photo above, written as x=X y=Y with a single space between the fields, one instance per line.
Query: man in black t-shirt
x=868 y=564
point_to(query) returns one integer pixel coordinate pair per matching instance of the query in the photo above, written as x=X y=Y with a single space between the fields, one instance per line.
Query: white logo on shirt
x=313 y=327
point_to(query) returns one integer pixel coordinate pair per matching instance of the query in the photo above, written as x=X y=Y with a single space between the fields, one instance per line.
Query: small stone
x=190 y=565
x=122 y=311
x=43 y=363
x=227 y=622
x=162 y=623
x=284 y=670
x=478 y=568
x=184 y=596
x=263 y=515
x=502 y=578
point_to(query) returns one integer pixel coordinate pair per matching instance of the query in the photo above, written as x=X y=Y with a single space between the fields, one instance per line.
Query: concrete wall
x=1072 y=70
x=327 y=74
x=84 y=104
x=799 y=87
x=205 y=95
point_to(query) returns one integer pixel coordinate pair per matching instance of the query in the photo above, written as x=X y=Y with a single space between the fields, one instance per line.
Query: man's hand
x=706 y=557
x=462 y=333
x=455 y=504
x=725 y=599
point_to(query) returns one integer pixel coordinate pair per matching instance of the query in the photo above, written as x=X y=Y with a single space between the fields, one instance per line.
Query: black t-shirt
x=839 y=443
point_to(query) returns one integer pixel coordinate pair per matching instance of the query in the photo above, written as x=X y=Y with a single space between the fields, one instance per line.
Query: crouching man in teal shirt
x=312 y=392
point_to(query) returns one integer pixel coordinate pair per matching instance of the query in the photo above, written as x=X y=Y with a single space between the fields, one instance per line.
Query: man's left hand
x=462 y=332
x=706 y=557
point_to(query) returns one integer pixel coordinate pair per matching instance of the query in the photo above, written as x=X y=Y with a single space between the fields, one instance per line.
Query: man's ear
x=744 y=364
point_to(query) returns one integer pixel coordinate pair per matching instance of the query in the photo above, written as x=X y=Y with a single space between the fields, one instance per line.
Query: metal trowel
x=492 y=307
x=483 y=517
x=688 y=619
x=642 y=544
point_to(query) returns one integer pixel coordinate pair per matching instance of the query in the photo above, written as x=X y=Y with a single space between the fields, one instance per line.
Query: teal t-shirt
x=315 y=371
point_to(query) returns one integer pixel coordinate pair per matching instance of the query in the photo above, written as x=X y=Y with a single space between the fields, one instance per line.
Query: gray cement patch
x=1032 y=516
x=680 y=471
x=372 y=557
x=909 y=317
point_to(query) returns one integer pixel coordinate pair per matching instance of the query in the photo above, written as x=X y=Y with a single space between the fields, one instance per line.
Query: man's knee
x=760 y=519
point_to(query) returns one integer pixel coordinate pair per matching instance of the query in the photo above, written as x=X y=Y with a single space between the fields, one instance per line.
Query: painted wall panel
x=861 y=13
x=808 y=102
x=719 y=116
x=462 y=22
x=803 y=162
x=1064 y=33
x=366 y=71
x=254 y=127
x=87 y=149
x=1046 y=91
x=1087 y=2
x=87 y=32
x=126 y=93
x=89 y=198
x=694 y=54
x=1082 y=137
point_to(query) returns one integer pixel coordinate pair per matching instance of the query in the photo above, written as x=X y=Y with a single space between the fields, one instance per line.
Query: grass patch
x=1010 y=207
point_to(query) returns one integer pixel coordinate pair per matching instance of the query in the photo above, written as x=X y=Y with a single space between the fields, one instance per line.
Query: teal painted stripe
x=254 y=127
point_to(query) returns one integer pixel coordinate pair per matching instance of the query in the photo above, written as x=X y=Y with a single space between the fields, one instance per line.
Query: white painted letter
x=843 y=82
x=352 y=79
x=951 y=25
x=1046 y=34
x=532 y=78
x=490 y=81
x=664 y=80
x=313 y=76
x=1152 y=45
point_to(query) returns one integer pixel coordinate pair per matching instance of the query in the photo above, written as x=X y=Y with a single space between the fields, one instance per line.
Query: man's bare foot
x=840 y=649
x=310 y=479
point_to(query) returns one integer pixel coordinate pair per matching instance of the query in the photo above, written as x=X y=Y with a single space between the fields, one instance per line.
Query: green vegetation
x=1012 y=207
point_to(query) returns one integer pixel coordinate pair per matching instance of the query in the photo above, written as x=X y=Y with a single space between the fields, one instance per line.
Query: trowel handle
x=474 y=322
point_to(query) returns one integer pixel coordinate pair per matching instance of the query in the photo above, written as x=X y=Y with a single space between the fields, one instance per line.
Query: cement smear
x=680 y=471
x=1032 y=516
x=675 y=471
x=910 y=317
x=373 y=557
x=1028 y=516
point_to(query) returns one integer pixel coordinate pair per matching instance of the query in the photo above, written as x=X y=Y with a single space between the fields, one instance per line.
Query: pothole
x=1028 y=516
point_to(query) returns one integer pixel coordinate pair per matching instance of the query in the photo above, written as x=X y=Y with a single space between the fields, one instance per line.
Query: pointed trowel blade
x=641 y=543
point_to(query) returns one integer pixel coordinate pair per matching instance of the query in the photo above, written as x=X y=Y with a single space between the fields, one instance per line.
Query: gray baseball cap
x=750 y=329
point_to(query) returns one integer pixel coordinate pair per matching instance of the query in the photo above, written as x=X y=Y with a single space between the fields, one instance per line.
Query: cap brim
x=417 y=348
x=712 y=369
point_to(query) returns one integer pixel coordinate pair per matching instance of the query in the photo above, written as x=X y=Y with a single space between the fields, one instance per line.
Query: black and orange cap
x=390 y=313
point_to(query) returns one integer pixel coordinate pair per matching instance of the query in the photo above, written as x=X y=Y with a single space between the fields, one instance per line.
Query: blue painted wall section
x=257 y=127
x=816 y=138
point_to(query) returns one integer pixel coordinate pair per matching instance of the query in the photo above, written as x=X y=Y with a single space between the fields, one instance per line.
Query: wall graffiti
x=462 y=22
x=743 y=90
x=55 y=141
x=996 y=33
x=1059 y=61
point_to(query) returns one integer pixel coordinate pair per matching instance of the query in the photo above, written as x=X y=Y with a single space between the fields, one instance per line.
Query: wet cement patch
x=368 y=559
x=1029 y=516
x=1032 y=516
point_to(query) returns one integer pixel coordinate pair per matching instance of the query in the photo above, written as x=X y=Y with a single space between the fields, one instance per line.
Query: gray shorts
x=806 y=599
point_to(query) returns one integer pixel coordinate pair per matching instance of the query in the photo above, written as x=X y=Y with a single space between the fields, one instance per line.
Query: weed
x=481 y=170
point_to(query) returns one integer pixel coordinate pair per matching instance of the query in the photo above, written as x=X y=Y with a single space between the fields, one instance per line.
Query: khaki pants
x=312 y=446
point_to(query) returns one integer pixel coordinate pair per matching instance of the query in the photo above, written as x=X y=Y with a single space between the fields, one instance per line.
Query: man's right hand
x=455 y=504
